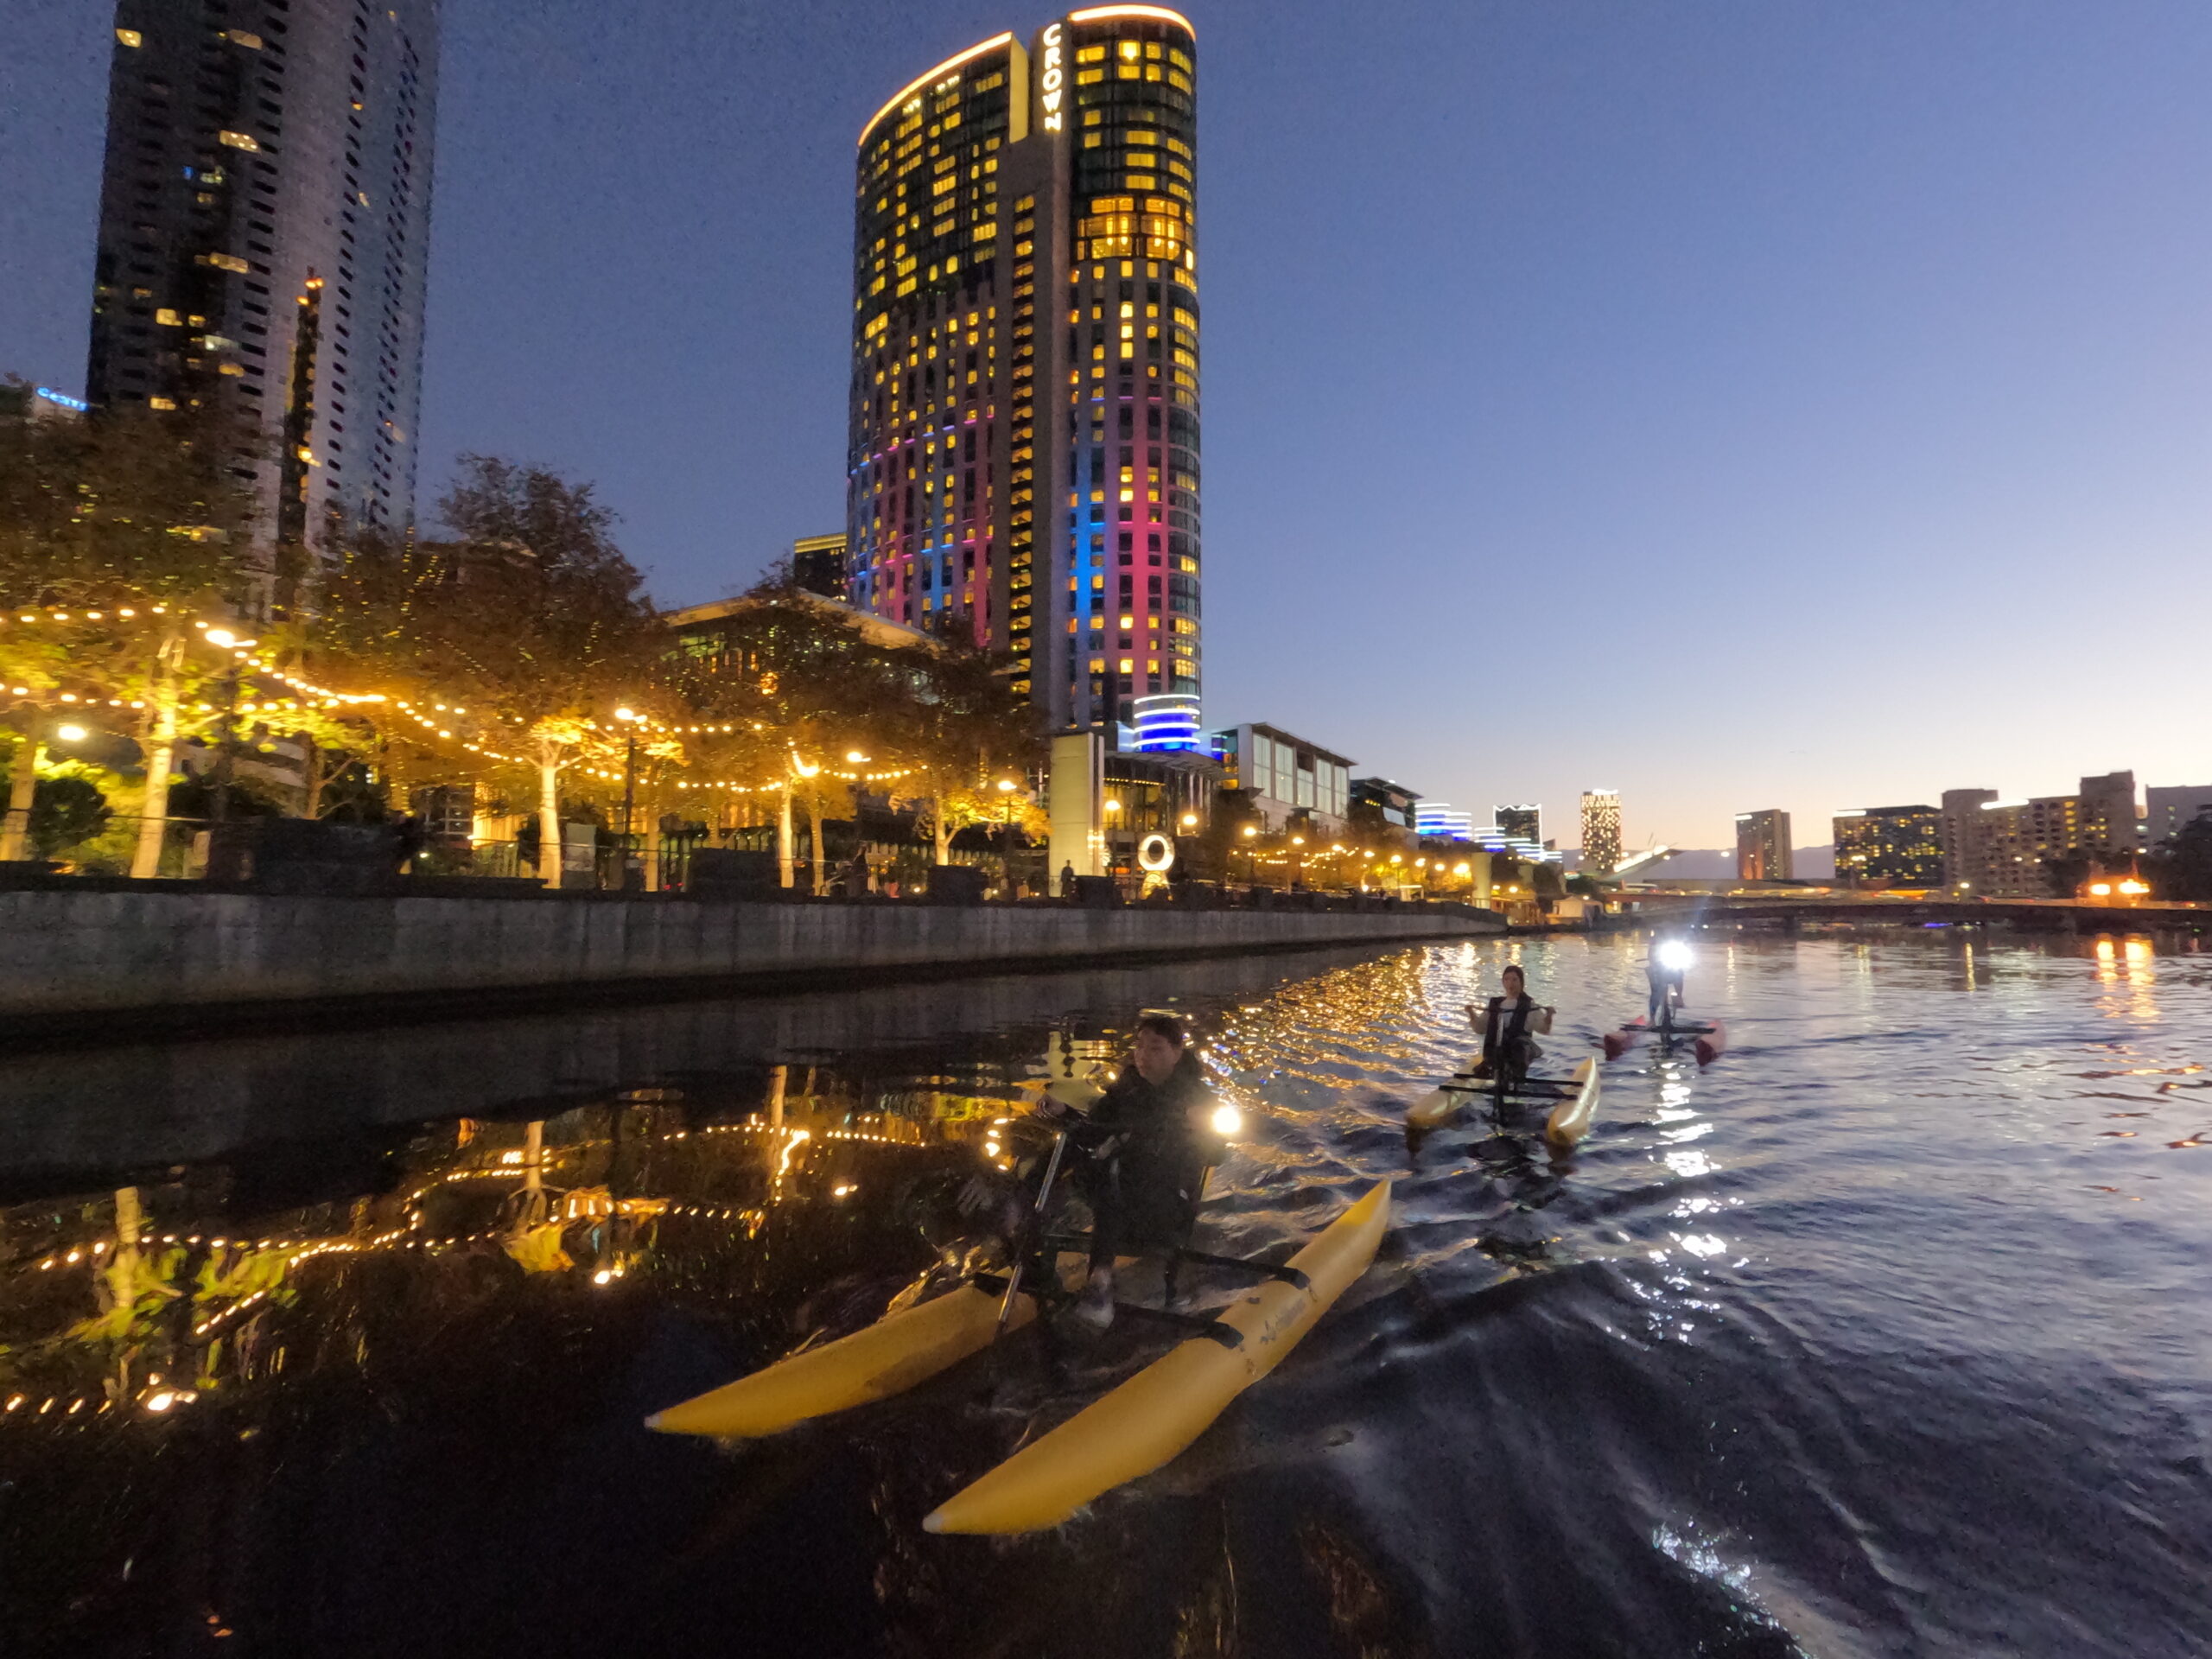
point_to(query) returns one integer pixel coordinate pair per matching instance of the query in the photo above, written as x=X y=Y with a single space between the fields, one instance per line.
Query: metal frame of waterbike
x=1034 y=1248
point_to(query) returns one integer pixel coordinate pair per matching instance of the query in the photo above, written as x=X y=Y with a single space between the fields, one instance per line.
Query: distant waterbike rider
x=1510 y=1025
x=1664 y=964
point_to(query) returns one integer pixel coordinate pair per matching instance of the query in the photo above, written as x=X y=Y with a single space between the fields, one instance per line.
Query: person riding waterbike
x=1141 y=1155
x=1510 y=1025
x=1664 y=965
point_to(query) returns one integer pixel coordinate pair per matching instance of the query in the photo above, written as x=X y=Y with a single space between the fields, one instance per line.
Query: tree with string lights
x=118 y=530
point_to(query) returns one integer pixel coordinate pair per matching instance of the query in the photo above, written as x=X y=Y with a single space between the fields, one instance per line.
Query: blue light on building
x=1436 y=818
x=1169 y=720
x=64 y=399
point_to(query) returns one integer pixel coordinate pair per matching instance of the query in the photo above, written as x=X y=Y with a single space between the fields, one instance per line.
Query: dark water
x=1884 y=1335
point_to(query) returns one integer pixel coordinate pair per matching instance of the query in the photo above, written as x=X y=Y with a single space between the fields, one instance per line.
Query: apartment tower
x=1023 y=465
x=265 y=224
x=1763 y=850
x=1601 y=831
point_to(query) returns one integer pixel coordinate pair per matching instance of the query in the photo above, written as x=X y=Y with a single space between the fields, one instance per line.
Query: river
x=1884 y=1334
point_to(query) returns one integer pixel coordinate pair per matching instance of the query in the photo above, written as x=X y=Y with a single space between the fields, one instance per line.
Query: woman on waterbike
x=1510 y=1025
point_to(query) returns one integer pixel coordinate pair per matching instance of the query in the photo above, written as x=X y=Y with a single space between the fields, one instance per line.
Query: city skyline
x=1943 y=394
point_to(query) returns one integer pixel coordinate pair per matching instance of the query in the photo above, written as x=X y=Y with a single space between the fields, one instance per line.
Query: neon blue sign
x=63 y=398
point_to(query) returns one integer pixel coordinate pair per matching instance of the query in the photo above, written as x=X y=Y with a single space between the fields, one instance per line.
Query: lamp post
x=1006 y=841
x=219 y=809
x=1298 y=876
x=631 y=721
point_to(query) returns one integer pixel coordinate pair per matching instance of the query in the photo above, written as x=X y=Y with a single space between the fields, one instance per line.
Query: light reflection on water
x=1905 y=1282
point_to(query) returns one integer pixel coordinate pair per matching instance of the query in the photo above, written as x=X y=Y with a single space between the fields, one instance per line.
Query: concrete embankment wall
x=193 y=958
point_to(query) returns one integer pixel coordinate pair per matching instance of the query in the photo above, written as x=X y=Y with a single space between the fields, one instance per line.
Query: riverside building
x=1023 y=457
x=1601 y=831
x=263 y=230
x=1890 y=846
x=1762 y=851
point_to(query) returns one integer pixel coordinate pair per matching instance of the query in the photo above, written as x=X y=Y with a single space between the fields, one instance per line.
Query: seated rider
x=1141 y=1155
x=1509 y=1025
x=1662 y=967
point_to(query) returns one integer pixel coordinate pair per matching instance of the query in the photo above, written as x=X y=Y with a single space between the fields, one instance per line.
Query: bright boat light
x=1227 y=1119
x=1674 y=954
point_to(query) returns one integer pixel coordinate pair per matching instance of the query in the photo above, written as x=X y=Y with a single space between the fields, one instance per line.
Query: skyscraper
x=1525 y=823
x=264 y=220
x=1763 y=852
x=1023 y=463
x=1601 y=831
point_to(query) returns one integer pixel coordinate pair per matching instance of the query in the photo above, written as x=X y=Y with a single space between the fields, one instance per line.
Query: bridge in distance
x=1789 y=910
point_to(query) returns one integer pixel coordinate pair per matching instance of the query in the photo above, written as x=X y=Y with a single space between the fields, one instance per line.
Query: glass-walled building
x=1289 y=778
x=263 y=240
x=1023 y=465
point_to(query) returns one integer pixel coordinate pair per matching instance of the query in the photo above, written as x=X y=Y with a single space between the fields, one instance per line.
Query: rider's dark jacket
x=1507 y=1031
x=1161 y=1158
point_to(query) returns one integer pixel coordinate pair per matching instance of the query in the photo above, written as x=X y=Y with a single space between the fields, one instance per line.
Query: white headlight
x=1227 y=1119
x=1674 y=954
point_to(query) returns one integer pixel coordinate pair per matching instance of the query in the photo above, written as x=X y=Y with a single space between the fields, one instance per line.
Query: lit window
x=130 y=37
x=237 y=140
x=168 y=318
x=161 y=403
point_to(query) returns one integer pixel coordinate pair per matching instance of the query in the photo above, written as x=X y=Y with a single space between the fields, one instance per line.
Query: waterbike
x=1708 y=1039
x=1573 y=1100
x=1132 y=1430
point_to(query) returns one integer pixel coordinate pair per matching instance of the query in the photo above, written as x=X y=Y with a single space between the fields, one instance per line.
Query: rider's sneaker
x=1095 y=1307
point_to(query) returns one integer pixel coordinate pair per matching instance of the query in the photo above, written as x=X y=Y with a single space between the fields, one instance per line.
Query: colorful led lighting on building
x=1022 y=468
x=1169 y=720
x=1436 y=819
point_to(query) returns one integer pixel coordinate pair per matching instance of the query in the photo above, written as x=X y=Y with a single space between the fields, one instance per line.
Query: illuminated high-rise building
x=1601 y=831
x=1763 y=852
x=1890 y=846
x=1023 y=465
x=264 y=228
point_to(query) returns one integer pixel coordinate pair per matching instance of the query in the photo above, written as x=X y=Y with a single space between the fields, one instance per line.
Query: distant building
x=1890 y=846
x=818 y=565
x=1394 y=804
x=1436 y=821
x=1288 y=776
x=2110 y=823
x=1601 y=831
x=1762 y=845
x=1521 y=822
x=2010 y=841
x=1998 y=848
x=1960 y=823
x=264 y=233
x=704 y=632
x=2168 y=811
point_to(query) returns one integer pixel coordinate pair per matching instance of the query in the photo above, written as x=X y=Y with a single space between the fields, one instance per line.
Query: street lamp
x=237 y=647
x=1006 y=844
x=629 y=723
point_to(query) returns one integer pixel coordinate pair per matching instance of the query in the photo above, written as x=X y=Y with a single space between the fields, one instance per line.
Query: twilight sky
x=1733 y=404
